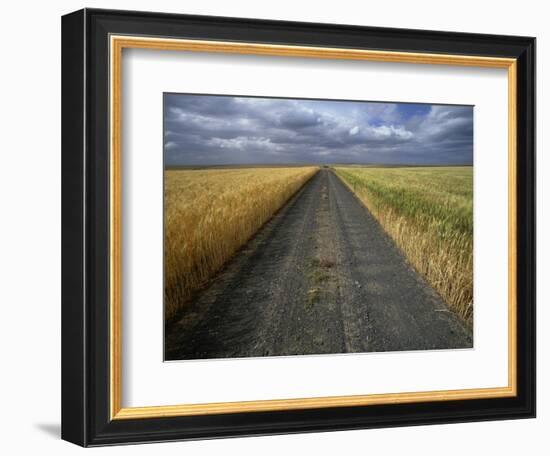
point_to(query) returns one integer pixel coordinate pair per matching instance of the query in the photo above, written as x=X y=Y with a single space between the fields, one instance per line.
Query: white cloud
x=354 y=131
x=244 y=143
x=385 y=131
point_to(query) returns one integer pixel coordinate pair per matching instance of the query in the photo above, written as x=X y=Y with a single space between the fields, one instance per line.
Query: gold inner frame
x=117 y=44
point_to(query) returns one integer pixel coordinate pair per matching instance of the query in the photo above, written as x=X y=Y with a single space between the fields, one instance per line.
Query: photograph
x=271 y=226
x=316 y=226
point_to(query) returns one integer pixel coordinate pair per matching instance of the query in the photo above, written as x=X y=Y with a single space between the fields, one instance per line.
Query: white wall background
x=30 y=226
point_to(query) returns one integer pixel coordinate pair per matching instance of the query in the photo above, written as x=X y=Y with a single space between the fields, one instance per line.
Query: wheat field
x=210 y=214
x=428 y=212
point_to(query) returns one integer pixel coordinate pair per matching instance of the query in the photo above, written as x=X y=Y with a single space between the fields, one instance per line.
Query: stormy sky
x=227 y=130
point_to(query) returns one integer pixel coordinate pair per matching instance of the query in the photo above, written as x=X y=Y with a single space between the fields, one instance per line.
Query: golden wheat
x=210 y=214
x=429 y=214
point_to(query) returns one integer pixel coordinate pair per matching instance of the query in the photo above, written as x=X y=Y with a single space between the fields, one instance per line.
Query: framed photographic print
x=279 y=227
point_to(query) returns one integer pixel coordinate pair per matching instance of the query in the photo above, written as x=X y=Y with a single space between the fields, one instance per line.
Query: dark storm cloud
x=208 y=130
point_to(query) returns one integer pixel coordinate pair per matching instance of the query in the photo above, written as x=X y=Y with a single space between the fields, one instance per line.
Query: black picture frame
x=85 y=228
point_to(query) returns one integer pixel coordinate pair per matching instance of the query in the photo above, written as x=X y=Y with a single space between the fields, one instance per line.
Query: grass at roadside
x=209 y=214
x=429 y=214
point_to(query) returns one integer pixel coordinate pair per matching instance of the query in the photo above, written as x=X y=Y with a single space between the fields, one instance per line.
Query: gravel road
x=320 y=277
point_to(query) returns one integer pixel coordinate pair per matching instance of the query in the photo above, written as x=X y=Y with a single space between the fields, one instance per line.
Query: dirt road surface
x=320 y=277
